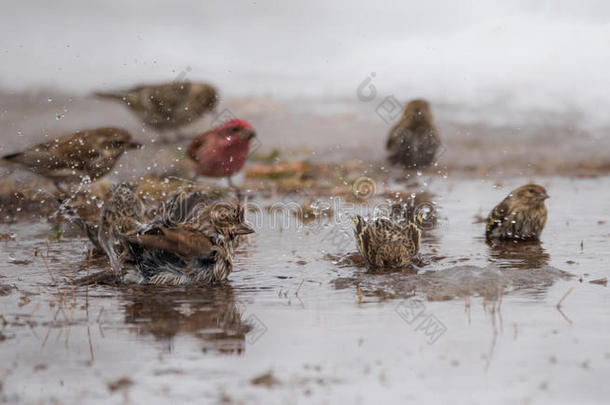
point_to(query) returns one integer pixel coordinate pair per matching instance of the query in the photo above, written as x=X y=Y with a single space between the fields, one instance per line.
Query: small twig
x=90 y=345
x=467 y=308
x=71 y=280
x=296 y=293
x=60 y=303
x=99 y=316
x=69 y=327
x=568 y=320
x=248 y=237
x=500 y=298
x=89 y=258
x=87 y=295
x=564 y=297
x=103 y=276
x=99 y=323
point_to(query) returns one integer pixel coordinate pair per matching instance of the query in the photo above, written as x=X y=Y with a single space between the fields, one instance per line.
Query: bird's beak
x=248 y=134
x=244 y=229
x=134 y=145
x=544 y=196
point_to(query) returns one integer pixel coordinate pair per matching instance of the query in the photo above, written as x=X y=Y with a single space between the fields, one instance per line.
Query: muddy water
x=298 y=322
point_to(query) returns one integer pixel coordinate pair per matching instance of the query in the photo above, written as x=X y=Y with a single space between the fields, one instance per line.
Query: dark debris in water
x=21 y=262
x=6 y=289
x=601 y=281
x=119 y=384
x=266 y=379
x=4 y=337
x=6 y=237
x=353 y=259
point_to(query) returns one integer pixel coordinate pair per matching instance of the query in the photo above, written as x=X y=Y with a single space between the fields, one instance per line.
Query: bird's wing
x=497 y=215
x=429 y=140
x=397 y=133
x=183 y=242
x=197 y=143
x=376 y=235
x=67 y=152
x=169 y=97
x=413 y=235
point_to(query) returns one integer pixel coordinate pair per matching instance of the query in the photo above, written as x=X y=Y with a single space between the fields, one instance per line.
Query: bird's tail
x=414 y=234
x=110 y=95
x=12 y=156
x=10 y=160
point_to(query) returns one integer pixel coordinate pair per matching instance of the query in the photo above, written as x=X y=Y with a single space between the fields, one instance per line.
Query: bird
x=414 y=141
x=167 y=106
x=71 y=158
x=385 y=244
x=520 y=216
x=192 y=242
x=189 y=239
x=222 y=151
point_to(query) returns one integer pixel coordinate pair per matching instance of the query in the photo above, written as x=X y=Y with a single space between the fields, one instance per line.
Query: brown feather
x=183 y=243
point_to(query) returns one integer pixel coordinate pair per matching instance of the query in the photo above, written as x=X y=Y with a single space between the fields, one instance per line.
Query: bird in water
x=414 y=141
x=123 y=214
x=189 y=239
x=222 y=151
x=167 y=106
x=520 y=216
x=192 y=243
x=71 y=158
x=385 y=244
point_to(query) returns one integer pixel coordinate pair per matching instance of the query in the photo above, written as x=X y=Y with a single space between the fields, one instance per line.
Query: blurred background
x=519 y=68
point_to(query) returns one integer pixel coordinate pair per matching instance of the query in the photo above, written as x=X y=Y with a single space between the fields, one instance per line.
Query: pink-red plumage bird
x=222 y=151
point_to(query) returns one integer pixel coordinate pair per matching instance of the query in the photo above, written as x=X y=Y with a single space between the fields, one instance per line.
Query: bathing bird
x=521 y=215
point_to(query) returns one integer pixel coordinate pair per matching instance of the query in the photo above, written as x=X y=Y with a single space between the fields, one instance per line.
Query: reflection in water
x=522 y=255
x=490 y=282
x=211 y=314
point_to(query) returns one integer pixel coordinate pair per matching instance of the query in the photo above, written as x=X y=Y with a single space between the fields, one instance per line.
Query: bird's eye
x=235 y=129
x=531 y=190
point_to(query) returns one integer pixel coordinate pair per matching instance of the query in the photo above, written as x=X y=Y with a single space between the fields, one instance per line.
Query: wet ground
x=300 y=321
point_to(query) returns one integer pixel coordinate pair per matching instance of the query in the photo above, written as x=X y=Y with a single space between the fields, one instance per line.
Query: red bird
x=222 y=151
